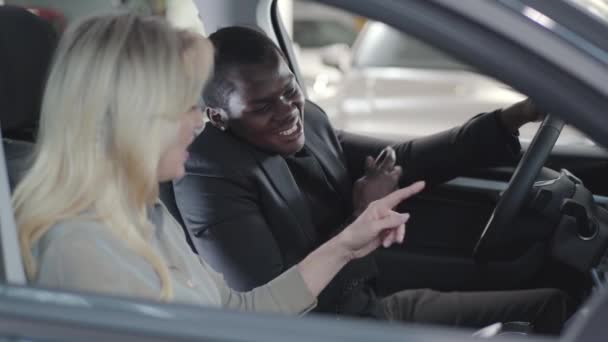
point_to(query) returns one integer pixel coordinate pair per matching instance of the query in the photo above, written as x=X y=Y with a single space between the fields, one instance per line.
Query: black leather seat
x=27 y=43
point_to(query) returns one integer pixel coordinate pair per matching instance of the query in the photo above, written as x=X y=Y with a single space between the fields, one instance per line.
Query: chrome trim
x=545 y=182
x=593 y=236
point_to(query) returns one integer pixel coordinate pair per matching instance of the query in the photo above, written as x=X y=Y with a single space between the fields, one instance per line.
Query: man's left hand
x=520 y=114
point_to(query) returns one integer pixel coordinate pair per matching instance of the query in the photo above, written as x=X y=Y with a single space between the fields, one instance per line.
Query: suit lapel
x=279 y=175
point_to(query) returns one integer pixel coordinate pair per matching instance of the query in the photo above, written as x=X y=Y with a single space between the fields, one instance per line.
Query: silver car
x=398 y=87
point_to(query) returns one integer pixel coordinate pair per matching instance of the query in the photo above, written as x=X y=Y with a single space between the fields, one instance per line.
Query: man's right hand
x=380 y=179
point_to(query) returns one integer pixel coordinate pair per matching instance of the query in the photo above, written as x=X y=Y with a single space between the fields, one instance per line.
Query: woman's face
x=171 y=164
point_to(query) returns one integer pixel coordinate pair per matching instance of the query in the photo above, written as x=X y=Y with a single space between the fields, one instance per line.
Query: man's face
x=266 y=107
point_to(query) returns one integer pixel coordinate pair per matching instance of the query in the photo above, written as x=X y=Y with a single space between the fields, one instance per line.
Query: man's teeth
x=290 y=131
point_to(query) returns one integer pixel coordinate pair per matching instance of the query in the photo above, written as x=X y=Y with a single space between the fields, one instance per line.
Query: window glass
x=399 y=50
x=314 y=34
x=390 y=85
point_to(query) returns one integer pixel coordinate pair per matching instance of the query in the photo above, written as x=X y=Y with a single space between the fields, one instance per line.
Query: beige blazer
x=82 y=254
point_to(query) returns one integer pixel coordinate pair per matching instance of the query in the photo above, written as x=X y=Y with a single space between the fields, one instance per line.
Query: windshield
x=382 y=46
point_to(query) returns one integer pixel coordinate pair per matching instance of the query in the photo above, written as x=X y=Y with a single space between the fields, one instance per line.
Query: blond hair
x=115 y=93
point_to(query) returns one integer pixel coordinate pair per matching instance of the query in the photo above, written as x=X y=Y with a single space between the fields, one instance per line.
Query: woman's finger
x=389 y=238
x=396 y=197
x=393 y=236
x=401 y=233
x=392 y=220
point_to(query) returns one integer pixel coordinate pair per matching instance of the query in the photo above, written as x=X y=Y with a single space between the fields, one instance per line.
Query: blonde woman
x=118 y=114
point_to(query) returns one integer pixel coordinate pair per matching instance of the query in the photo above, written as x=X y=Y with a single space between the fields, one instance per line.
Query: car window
x=399 y=50
x=395 y=86
x=314 y=34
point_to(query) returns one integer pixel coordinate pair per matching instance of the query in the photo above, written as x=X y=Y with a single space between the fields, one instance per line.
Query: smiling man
x=269 y=114
x=269 y=180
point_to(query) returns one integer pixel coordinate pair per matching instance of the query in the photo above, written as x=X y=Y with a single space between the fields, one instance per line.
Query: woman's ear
x=217 y=117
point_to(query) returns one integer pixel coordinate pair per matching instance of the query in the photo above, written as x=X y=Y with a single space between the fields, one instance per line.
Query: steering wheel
x=512 y=199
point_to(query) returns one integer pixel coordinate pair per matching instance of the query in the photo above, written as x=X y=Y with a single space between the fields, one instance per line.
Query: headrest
x=27 y=43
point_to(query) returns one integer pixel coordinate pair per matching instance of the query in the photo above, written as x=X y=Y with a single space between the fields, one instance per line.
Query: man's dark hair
x=235 y=46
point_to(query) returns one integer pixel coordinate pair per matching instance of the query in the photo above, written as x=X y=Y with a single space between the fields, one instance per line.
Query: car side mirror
x=337 y=56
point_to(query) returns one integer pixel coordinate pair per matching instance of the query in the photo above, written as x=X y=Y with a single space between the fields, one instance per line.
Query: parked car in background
x=397 y=87
x=321 y=32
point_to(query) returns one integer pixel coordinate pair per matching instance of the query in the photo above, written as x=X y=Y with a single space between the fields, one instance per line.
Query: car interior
x=541 y=223
x=533 y=255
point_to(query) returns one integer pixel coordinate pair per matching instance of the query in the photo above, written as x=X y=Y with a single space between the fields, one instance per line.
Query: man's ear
x=218 y=117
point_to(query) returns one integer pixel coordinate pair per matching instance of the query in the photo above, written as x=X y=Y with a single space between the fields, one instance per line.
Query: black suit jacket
x=247 y=217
